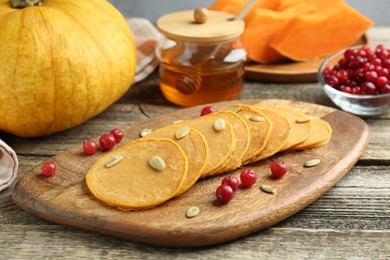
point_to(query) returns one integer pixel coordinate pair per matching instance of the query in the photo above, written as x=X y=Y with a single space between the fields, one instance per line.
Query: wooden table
x=352 y=220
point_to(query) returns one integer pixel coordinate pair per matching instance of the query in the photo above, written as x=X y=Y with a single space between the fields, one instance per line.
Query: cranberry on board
x=224 y=193
x=279 y=169
x=248 y=177
x=48 y=169
x=90 y=147
x=362 y=71
x=107 y=141
x=207 y=110
x=232 y=181
x=118 y=134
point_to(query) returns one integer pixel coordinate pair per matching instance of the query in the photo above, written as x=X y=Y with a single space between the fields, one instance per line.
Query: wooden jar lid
x=182 y=26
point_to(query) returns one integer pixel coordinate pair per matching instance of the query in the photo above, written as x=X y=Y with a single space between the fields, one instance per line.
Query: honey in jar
x=201 y=62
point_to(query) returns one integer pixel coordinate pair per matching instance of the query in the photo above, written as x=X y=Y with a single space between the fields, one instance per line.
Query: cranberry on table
x=224 y=193
x=232 y=181
x=48 y=169
x=107 y=141
x=279 y=169
x=90 y=147
x=248 y=177
x=207 y=110
x=118 y=134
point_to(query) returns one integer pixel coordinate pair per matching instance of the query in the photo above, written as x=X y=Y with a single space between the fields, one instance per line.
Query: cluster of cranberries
x=248 y=178
x=361 y=71
x=230 y=184
x=107 y=142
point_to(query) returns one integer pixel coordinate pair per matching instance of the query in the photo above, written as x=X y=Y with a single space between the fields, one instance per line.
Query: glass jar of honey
x=201 y=61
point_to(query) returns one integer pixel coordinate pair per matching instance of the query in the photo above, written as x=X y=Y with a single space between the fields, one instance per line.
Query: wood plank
x=272 y=243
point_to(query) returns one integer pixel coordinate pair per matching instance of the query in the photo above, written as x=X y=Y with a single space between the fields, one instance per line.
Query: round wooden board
x=65 y=199
x=287 y=71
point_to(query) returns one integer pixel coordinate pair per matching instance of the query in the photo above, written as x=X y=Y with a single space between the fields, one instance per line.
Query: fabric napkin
x=8 y=165
x=147 y=38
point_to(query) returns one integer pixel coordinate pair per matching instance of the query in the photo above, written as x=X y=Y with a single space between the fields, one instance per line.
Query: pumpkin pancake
x=320 y=135
x=132 y=183
x=259 y=127
x=299 y=131
x=242 y=136
x=194 y=145
x=281 y=129
x=220 y=143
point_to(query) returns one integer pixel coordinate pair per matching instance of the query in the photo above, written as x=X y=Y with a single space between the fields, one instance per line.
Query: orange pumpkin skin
x=62 y=63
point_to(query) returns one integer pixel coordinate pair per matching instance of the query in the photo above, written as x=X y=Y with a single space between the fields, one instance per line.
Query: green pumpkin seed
x=145 y=132
x=312 y=163
x=182 y=132
x=156 y=162
x=219 y=124
x=268 y=188
x=256 y=118
x=304 y=119
x=113 y=160
x=192 y=212
x=234 y=109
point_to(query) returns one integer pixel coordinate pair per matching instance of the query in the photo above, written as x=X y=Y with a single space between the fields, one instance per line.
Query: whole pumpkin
x=61 y=63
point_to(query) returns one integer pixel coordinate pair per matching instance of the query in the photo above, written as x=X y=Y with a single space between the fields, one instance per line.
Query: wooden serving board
x=65 y=199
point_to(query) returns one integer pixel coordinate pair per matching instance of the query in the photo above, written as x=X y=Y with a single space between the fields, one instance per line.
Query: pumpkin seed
x=145 y=132
x=234 y=109
x=156 y=162
x=192 y=212
x=312 y=163
x=256 y=118
x=113 y=160
x=268 y=188
x=219 y=124
x=304 y=119
x=177 y=121
x=182 y=132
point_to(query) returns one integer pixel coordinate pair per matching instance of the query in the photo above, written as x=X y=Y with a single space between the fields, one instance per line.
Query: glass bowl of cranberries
x=357 y=79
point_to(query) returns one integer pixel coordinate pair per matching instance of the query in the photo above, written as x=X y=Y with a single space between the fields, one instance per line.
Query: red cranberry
x=107 y=141
x=248 y=177
x=118 y=134
x=231 y=181
x=368 y=88
x=207 y=110
x=90 y=147
x=279 y=169
x=48 y=169
x=385 y=89
x=224 y=193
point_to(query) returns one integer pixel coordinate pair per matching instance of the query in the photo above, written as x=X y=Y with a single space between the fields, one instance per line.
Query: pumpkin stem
x=25 y=3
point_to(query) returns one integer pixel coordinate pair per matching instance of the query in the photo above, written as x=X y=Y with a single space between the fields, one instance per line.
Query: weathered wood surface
x=350 y=221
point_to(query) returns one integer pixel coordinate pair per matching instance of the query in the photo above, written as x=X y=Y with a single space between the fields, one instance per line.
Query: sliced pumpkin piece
x=264 y=25
x=333 y=27
x=133 y=182
x=228 y=6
